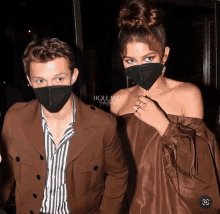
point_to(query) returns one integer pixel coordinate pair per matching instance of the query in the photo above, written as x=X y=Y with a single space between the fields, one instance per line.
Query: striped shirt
x=55 y=192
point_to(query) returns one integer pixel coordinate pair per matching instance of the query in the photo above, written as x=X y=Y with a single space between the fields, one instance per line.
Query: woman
x=176 y=157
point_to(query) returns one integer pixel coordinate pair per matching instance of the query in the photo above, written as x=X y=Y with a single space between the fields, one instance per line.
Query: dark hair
x=45 y=50
x=141 y=21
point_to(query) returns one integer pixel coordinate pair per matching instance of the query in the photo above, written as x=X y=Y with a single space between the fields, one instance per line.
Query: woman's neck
x=158 y=88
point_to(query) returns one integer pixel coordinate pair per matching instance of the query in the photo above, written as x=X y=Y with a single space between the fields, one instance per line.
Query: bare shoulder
x=186 y=88
x=118 y=100
x=190 y=97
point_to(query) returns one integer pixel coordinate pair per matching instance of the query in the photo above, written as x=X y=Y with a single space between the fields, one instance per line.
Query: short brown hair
x=141 y=21
x=45 y=50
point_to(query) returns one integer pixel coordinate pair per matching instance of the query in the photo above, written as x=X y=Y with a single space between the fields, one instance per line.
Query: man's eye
x=60 y=79
x=39 y=81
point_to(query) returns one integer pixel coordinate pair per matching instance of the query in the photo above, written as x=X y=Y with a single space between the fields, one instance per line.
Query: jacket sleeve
x=192 y=163
x=117 y=173
x=7 y=176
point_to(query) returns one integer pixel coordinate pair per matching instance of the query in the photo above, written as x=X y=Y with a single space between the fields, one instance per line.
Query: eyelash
x=146 y=58
x=61 y=78
x=37 y=81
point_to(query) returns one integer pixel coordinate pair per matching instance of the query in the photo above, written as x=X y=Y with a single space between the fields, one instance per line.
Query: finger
x=137 y=115
x=140 y=111
x=136 y=108
x=138 y=103
x=144 y=99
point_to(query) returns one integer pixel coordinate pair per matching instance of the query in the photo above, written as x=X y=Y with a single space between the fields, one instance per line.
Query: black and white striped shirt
x=55 y=192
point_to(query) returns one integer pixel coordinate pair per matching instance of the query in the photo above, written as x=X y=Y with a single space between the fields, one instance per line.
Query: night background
x=100 y=66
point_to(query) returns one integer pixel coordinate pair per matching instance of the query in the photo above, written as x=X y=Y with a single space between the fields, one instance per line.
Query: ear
x=74 y=76
x=166 y=54
x=29 y=80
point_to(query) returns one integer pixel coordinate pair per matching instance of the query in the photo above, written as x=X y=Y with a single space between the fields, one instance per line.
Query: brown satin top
x=169 y=174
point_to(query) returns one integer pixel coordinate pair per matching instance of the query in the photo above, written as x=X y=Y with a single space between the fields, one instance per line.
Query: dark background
x=102 y=72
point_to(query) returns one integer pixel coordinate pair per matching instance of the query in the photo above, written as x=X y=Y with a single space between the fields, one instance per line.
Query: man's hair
x=45 y=50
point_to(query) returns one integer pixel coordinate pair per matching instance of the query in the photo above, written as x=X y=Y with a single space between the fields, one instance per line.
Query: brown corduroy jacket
x=95 y=149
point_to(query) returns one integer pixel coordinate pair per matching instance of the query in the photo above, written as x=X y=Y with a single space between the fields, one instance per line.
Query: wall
x=198 y=3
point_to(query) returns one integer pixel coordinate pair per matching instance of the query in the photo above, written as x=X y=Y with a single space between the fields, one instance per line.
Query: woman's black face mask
x=145 y=75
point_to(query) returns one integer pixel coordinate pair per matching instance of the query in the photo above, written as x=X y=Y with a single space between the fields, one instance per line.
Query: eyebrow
x=54 y=75
x=152 y=52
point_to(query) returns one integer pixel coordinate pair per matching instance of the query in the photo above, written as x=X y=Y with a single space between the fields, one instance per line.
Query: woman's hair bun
x=137 y=13
x=141 y=21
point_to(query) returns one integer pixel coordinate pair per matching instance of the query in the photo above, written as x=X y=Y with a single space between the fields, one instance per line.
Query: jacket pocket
x=21 y=163
x=20 y=157
x=91 y=174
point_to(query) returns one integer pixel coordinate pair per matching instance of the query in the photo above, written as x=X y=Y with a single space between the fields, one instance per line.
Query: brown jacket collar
x=83 y=127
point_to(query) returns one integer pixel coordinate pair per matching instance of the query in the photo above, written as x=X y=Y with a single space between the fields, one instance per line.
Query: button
x=17 y=159
x=35 y=196
x=92 y=107
x=95 y=167
x=41 y=157
x=31 y=212
x=38 y=177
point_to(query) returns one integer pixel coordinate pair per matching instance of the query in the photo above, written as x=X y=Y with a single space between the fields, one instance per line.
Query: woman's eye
x=130 y=61
x=149 y=59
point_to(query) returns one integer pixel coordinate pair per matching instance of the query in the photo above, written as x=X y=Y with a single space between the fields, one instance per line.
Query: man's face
x=52 y=73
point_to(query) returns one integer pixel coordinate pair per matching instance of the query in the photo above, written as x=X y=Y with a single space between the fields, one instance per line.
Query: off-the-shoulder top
x=170 y=174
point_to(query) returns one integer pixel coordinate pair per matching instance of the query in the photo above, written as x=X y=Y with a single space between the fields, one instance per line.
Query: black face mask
x=53 y=98
x=145 y=75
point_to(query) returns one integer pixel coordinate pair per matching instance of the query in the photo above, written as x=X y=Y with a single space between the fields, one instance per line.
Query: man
x=57 y=148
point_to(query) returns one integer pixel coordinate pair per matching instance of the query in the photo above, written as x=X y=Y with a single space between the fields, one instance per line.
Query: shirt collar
x=74 y=111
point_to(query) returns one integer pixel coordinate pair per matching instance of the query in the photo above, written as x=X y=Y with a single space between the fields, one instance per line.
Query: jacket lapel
x=32 y=126
x=84 y=130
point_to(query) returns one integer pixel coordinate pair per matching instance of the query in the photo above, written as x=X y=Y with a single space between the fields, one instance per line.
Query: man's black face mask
x=53 y=98
x=145 y=75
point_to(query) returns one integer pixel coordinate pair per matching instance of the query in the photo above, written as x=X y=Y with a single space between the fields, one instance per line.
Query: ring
x=138 y=108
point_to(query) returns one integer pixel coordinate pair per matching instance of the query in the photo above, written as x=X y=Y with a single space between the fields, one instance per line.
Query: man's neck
x=62 y=115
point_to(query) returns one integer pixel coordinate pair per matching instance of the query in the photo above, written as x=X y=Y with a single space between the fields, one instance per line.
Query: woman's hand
x=148 y=112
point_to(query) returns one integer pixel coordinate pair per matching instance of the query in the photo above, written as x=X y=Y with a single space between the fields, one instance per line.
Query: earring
x=164 y=69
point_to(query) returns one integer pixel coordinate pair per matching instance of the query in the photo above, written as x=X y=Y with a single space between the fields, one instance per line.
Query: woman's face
x=138 y=53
